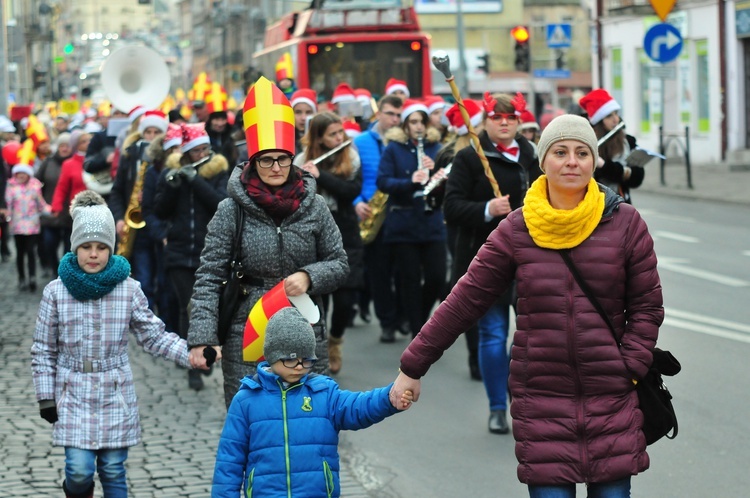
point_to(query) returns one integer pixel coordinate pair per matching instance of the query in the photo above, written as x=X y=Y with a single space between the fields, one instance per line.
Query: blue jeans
x=110 y=464
x=493 y=354
x=611 y=489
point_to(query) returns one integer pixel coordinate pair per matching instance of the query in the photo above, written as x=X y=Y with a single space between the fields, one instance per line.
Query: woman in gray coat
x=288 y=234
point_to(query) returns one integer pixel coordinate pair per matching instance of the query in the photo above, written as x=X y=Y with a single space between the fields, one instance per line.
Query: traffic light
x=522 y=58
x=484 y=63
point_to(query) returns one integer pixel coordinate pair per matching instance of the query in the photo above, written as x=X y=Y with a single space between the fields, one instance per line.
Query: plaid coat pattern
x=99 y=409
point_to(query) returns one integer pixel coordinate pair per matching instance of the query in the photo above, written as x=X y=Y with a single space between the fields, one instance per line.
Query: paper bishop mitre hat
x=268 y=119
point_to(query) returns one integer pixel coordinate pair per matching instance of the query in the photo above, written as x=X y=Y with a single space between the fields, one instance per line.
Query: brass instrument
x=369 y=228
x=134 y=214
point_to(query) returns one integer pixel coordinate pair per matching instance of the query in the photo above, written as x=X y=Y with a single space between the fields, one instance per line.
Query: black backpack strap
x=565 y=253
x=239 y=221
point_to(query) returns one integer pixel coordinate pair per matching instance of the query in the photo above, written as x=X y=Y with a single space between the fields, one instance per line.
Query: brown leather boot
x=334 y=354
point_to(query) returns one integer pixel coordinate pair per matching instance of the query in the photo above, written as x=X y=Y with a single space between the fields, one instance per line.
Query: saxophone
x=369 y=228
x=134 y=214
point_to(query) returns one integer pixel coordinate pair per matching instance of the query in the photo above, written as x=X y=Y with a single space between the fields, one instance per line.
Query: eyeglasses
x=509 y=117
x=267 y=162
x=293 y=362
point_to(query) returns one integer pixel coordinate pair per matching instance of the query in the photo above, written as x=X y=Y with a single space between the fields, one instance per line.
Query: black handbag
x=231 y=289
x=654 y=399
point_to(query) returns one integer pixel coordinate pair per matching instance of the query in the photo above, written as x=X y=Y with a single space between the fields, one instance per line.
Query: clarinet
x=420 y=162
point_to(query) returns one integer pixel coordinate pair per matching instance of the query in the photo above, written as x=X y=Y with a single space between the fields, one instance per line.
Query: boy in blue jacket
x=280 y=437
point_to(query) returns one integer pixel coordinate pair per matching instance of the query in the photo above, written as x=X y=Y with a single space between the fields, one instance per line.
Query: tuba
x=135 y=75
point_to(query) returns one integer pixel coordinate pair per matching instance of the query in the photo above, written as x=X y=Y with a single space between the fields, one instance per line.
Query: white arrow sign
x=667 y=41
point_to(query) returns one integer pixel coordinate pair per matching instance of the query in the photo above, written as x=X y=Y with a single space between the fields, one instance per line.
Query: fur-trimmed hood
x=129 y=140
x=216 y=165
x=155 y=152
x=397 y=134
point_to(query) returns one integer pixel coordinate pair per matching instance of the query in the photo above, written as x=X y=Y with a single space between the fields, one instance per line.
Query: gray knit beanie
x=567 y=127
x=289 y=335
x=92 y=221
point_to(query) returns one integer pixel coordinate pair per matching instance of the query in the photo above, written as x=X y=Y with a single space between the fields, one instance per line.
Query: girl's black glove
x=209 y=354
x=49 y=414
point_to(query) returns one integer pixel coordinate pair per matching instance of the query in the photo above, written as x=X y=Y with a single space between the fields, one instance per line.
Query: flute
x=610 y=133
x=331 y=152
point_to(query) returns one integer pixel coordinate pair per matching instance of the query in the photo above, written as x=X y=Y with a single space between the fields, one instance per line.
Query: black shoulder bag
x=653 y=396
x=231 y=289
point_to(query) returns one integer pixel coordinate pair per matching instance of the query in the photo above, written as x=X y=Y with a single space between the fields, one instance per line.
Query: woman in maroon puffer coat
x=574 y=408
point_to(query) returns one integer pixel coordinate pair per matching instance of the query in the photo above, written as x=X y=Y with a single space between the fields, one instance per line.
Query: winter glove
x=188 y=173
x=209 y=354
x=48 y=411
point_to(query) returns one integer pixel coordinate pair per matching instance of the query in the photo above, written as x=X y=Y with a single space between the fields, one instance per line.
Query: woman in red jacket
x=71 y=174
x=574 y=406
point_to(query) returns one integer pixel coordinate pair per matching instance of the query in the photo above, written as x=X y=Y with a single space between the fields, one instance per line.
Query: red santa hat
x=136 y=112
x=193 y=135
x=433 y=103
x=412 y=106
x=457 y=121
x=343 y=93
x=155 y=119
x=598 y=104
x=305 y=96
x=173 y=137
x=528 y=121
x=352 y=129
x=394 y=85
x=363 y=95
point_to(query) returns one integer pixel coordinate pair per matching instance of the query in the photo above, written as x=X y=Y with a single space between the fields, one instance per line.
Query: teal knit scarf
x=86 y=286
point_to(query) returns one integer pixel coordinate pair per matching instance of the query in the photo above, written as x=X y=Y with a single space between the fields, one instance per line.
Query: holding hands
x=405 y=391
x=202 y=357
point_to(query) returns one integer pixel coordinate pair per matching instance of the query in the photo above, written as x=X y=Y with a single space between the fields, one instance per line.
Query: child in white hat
x=79 y=358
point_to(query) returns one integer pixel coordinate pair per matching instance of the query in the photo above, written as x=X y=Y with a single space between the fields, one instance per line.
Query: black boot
x=388 y=335
x=87 y=494
x=474 y=371
x=32 y=284
x=497 y=423
x=195 y=380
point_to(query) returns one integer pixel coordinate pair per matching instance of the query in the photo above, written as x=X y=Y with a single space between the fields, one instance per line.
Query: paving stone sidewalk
x=181 y=427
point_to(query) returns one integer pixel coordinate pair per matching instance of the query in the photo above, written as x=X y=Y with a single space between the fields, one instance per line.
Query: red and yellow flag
x=201 y=87
x=27 y=153
x=35 y=131
x=216 y=100
x=284 y=68
x=268 y=119
x=257 y=321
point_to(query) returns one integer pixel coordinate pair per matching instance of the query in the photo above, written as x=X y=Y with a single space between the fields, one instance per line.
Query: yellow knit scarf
x=561 y=228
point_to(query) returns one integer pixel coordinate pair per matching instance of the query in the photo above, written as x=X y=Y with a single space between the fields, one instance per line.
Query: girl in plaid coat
x=79 y=359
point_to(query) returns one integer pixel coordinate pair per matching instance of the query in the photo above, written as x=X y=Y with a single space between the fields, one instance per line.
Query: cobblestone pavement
x=181 y=427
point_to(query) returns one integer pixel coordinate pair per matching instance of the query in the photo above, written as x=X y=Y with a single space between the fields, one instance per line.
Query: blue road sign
x=662 y=43
x=555 y=74
x=558 y=35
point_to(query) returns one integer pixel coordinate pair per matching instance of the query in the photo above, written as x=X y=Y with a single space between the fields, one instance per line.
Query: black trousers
x=26 y=250
x=343 y=302
x=379 y=274
x=420 y=270
x=183 y=280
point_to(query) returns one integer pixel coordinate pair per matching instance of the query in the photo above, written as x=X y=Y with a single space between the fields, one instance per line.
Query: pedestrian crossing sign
x=558 y=35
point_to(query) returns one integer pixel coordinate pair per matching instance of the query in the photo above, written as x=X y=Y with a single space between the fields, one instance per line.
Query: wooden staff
x=443 y=64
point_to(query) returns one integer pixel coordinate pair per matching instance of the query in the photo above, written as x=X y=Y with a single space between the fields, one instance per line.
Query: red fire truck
x=358 y=42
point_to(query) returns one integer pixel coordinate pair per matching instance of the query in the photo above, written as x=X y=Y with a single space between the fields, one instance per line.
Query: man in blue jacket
x=378 y=257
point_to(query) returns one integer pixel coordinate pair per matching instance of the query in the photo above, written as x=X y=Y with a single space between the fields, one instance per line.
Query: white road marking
x=676 y=236
x=675 y=265
x=705 y=329
x=687 y=315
